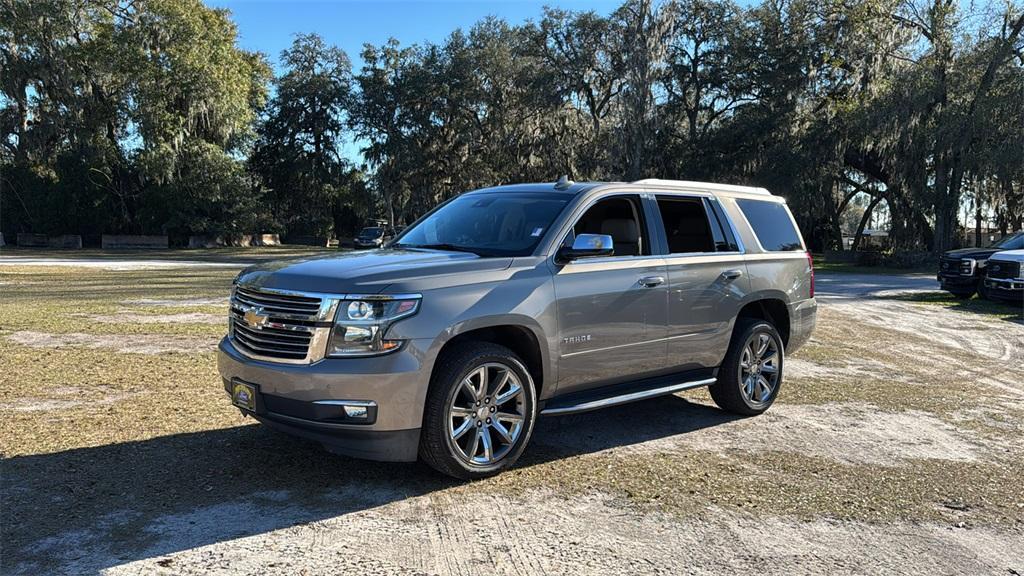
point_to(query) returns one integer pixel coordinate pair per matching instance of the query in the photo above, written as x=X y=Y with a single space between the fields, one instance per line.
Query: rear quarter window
x=771 y=224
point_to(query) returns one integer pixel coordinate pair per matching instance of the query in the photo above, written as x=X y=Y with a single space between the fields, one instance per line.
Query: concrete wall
x=27 y=240
x=126 y=241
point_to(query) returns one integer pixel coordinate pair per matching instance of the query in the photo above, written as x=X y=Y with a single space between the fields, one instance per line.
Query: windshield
x=487 y=224
x=1011 y=242
x=371 y=232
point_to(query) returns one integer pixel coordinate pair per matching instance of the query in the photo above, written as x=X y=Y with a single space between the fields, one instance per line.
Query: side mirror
x=586 y=246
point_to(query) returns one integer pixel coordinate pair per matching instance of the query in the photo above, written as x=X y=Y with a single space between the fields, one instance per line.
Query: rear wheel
x=751 y=374
x=479 y=413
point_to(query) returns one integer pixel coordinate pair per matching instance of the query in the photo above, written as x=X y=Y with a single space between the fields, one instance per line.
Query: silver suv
x=508 y=303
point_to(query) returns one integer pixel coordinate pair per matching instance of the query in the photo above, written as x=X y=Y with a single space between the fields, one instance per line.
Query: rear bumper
x=803 y=317
x=290 y=398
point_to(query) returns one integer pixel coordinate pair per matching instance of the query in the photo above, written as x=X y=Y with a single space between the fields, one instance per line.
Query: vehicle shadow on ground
x=87 y=509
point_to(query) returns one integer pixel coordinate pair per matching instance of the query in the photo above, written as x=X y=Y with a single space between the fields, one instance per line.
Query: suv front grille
x=955 y=267
x=1002 y=269
x=277 y=326
x=278 y=303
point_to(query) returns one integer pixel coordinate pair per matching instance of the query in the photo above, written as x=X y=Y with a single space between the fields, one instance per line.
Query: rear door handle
x=652 y=281
x=732 y=274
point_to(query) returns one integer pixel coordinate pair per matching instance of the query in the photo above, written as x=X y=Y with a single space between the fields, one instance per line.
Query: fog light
x=356 y=411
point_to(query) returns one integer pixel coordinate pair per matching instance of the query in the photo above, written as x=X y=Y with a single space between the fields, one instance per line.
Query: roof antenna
x=563 y=183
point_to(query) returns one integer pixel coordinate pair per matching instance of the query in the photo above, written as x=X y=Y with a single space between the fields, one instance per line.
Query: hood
x=976 y=253
x=1009 y=256
x=368 y=272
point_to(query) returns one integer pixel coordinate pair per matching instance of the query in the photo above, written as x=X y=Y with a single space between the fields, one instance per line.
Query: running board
x=594 y=404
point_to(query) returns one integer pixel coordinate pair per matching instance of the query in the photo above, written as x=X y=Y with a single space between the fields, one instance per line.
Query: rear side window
x=772 y=225
x=687 y=227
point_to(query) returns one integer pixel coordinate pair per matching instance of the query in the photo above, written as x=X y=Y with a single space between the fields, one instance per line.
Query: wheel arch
x=521 y=334
x=771 y=308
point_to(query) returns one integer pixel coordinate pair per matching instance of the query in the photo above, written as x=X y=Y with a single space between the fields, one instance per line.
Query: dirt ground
x=894 y=447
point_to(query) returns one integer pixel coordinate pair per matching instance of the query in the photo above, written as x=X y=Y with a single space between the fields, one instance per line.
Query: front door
x=611 y=310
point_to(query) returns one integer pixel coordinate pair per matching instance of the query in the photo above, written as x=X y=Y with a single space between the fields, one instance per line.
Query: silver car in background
x=507 y=303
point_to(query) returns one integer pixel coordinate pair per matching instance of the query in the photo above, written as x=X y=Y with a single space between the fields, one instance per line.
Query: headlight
x=360 y=324
x=967 y=266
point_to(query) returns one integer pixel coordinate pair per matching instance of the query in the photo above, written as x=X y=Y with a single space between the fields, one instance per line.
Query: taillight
x=810 y=265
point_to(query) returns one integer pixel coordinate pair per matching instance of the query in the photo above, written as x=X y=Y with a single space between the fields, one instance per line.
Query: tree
x=299 y=151
x=108 y=105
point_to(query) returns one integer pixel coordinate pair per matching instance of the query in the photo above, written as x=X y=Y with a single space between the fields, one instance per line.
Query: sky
x=269 y=26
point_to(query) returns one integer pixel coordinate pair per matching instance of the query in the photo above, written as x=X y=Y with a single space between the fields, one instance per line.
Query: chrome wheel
x=486 y=414
x=759 y=368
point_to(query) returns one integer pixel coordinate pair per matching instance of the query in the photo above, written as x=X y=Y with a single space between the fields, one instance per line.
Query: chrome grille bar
x=273 y=302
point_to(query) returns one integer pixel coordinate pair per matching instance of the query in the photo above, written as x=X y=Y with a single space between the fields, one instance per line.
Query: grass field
x=120 y=449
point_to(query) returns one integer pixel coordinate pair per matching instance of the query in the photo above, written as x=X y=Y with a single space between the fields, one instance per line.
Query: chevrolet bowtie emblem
x=255 y=318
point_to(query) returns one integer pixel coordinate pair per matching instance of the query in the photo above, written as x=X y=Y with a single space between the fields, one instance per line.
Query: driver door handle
x=732 y=274
x=652 y=281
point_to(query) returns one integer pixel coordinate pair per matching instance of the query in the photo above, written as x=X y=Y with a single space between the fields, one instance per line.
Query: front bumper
x=287 y=395
x=957 y=282
x=1008 y=289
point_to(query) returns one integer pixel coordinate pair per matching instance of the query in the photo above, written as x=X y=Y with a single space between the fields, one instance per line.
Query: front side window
x=772 y=225
x=510 y=224
x=620 y=218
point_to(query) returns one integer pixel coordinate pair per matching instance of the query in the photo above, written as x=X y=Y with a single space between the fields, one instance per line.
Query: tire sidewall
x=530 y=399
x=759 y=327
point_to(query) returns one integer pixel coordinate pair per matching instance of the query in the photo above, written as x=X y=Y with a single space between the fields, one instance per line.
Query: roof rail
x=704 y=185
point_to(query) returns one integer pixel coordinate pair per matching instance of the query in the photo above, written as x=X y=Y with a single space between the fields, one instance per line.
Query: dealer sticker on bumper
x=244 y=396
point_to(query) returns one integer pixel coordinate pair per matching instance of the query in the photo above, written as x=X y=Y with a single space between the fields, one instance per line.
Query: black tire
x=437 y=448
x=982 y=291
x=728 y=391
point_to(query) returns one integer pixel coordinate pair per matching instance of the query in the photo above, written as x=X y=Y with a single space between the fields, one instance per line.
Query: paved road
x=842 y=285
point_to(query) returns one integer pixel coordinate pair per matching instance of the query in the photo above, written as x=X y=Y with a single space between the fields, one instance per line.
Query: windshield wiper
x=448 y=247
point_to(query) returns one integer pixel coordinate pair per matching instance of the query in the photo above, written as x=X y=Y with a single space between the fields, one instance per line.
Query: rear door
x=611 y=310
x=707 y=279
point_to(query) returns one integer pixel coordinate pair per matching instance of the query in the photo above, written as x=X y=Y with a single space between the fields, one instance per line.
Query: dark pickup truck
x=961 y=271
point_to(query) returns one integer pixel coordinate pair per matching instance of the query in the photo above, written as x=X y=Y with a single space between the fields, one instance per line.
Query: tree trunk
x=864 y=222
x=977 y=224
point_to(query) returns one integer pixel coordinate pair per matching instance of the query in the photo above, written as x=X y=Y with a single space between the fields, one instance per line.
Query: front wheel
x=479 y=413
x=751 y=374
x=983 y=291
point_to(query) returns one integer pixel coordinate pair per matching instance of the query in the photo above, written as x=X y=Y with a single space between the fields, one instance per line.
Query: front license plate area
x=244 y=396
